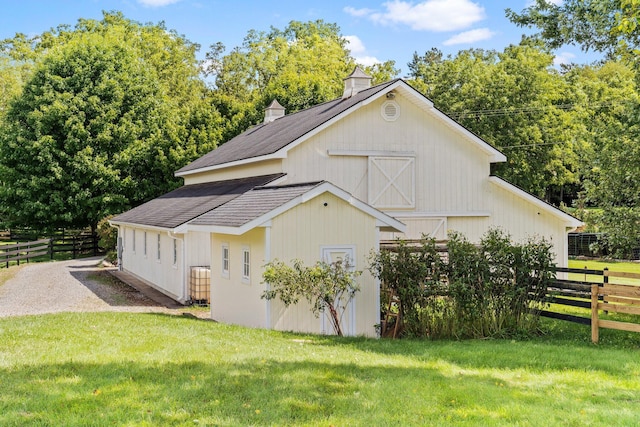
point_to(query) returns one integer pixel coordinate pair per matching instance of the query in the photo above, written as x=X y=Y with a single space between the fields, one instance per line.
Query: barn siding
x=161 y=274
x=254 y=169
x=232 y=300
x=301 y=232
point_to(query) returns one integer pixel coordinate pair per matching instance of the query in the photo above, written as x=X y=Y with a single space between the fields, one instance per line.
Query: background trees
x=517 y=102
x=106 y=113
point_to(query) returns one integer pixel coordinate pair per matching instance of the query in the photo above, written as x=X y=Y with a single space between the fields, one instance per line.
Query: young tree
x=326 y=287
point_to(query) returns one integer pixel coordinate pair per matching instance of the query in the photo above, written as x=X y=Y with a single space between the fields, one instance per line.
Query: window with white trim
x=158 y=249
x=246 y=265
x=225 y=260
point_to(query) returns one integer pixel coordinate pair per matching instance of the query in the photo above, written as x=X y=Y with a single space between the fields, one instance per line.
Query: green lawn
x=150 y=370
x=619 y=266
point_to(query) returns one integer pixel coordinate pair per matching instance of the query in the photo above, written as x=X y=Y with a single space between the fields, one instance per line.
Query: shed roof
x=261 y=204
x=190 y=201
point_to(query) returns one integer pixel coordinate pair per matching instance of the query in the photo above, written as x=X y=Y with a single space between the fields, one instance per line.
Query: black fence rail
x=77 y=246
x=577 y=293
x=24 y=251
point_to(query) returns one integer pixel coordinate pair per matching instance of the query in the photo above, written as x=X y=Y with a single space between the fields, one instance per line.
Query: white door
x=345 y=253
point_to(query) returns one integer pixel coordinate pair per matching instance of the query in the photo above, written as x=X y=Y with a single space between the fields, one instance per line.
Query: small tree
x=326 y=287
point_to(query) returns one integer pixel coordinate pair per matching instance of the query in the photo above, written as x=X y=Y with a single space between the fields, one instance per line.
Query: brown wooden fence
x=616 y=299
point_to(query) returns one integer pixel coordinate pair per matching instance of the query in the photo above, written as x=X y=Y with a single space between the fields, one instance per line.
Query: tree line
x=95 y=118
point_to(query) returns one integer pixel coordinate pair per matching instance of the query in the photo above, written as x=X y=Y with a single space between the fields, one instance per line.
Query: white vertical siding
x=301 y=233
x=162 y=274
x=243 y=171
x=234 y=300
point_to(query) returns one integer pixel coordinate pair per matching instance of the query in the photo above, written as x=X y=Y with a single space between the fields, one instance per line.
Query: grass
x=151 y=369
x=612 y=265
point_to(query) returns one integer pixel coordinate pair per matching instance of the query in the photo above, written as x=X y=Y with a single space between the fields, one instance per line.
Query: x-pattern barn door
x=392 y=182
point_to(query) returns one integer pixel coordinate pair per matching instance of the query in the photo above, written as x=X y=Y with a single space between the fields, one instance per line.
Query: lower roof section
x=190 y=201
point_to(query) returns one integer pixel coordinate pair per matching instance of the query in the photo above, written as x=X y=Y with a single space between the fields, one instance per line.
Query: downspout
x=183 y=279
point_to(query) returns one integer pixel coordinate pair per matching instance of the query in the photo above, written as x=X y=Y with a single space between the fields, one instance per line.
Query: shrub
x=108 y=236
x=495 y=288
x=327 y=287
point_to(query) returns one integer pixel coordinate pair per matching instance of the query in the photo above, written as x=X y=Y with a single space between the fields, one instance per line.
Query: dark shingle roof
x=252 y=204
x=268 y=138
x=190 y=201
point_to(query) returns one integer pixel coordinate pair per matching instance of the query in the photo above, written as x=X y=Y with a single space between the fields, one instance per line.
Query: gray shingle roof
x=268 y=138
x=190 y=201
x=252 y=205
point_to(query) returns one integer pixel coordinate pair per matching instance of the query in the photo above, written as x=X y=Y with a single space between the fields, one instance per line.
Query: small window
x=246 y=265
x=175 y=252
x=158 y=249
x=144 y=244
x=225 y=261
x=133 y=244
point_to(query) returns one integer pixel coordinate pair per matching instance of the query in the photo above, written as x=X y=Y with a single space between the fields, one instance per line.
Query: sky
x=377 y=30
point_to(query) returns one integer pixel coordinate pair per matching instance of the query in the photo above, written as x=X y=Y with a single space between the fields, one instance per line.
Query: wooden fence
x=24 y=251
x=616 y=299
x=596 y=293
x=77 y=246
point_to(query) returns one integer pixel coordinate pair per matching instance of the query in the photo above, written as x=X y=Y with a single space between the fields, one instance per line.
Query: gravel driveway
x=76 y=285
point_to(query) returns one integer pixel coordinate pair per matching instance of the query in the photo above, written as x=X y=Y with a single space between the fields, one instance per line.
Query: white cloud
x=563 y=58
x=359 y=51
x=471 y=36
x=429 y=15
x=358 y=12
x=157 y=3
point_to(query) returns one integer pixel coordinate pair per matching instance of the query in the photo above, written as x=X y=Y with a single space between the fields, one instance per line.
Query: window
x=158 y=257
x=246 y=265
x=225 y=260
x=144 y=244
x=175 y=252
x=133 y=244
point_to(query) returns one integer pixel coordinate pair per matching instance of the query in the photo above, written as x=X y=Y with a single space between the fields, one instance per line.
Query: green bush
x=108 y=236
x=495 y=288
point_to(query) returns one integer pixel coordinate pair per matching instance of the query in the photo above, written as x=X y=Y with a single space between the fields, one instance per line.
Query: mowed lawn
x=155 y=370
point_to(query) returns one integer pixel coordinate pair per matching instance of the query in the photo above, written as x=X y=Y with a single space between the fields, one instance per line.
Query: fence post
x=594 y=314
x=51 y=248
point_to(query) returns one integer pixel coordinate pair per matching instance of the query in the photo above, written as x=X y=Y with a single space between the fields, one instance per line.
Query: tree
x=108 y=111
x=606 y=26
x=301 y=66
x=326 y=287
x=515 y=101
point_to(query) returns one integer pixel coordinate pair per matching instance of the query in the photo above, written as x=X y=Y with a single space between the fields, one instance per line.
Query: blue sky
x=378 y=30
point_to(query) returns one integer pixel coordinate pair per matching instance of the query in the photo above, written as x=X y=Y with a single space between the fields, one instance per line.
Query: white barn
x=332 y=180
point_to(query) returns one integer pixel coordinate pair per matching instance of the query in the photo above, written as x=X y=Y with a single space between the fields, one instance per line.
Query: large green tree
x=108 y=111
x=301 y=65
x=516 y=102
x=607 y=26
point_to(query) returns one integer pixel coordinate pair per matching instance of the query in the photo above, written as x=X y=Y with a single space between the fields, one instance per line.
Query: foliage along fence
x=77 y=246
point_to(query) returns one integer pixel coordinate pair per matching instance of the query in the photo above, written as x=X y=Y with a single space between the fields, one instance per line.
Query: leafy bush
x=327 y=287
x=621 y=226
x=108 y=236
x=495 y=288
